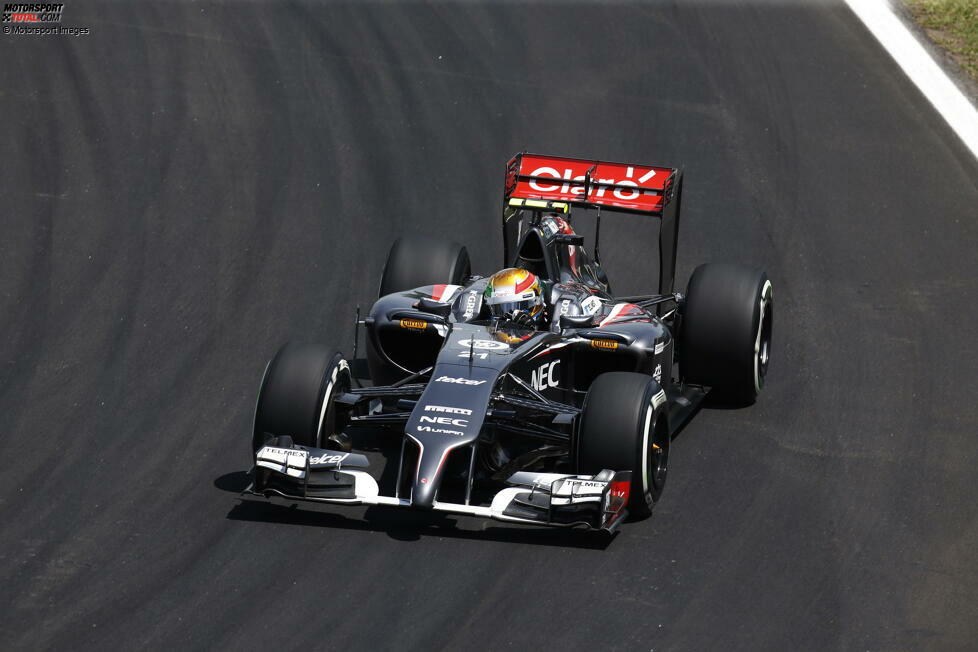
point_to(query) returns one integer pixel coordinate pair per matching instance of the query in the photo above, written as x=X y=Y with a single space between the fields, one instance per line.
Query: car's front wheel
x=624 y=427
x=297 y=396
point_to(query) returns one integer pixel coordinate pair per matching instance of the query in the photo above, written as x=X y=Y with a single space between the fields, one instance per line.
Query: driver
x=515 y=294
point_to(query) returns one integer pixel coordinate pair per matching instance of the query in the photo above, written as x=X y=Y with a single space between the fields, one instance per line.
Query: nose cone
x=425 y=488
x=450 y=412
x=431 y=469
x=448 y=416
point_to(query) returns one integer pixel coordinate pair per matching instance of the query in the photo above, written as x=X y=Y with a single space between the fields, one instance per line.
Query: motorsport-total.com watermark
x=30 y=18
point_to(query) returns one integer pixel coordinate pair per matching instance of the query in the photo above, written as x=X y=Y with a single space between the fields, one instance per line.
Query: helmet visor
x=512 y=307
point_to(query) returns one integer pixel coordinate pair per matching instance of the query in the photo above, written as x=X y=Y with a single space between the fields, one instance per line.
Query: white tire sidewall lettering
x=261 y=387
x=767 y=296
x=649 y=413
x=327 y=395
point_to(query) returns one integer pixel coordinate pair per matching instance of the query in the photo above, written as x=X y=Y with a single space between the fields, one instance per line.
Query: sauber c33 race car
x=534 y=395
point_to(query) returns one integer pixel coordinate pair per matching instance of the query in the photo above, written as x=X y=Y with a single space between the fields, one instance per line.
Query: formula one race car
x=533 y=395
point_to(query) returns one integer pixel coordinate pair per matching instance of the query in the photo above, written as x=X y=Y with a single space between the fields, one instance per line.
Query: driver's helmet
x=515 y=294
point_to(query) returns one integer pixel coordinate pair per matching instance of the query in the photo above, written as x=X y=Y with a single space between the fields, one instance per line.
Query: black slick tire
x=296 y=396
x=624 y=427
x=414 y=261
x=726 y=331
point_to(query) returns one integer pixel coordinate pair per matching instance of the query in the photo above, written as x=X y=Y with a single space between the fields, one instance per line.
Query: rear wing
x=556 y=183
x=625 y=187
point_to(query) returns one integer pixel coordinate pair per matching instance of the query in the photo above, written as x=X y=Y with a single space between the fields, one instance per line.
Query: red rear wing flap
x=617 y=186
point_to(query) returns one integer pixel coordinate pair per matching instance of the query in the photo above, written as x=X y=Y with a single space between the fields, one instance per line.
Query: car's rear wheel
x=297 y=396
x=414 y=261
x=726 y=331
x=624 y=427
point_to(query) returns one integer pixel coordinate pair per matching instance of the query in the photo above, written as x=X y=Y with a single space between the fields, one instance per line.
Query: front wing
x=302 y=473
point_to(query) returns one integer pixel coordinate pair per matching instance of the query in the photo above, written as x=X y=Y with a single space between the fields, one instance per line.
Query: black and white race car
x=565 y=420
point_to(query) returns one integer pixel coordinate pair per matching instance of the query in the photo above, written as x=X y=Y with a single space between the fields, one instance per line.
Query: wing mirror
x=570 y=239
x=576 y=321
x=434 y=307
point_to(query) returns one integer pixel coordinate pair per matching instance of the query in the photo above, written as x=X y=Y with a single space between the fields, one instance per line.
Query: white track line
x=930 y=78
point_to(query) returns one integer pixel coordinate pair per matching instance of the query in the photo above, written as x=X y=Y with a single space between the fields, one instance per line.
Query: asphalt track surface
x=194 y=183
